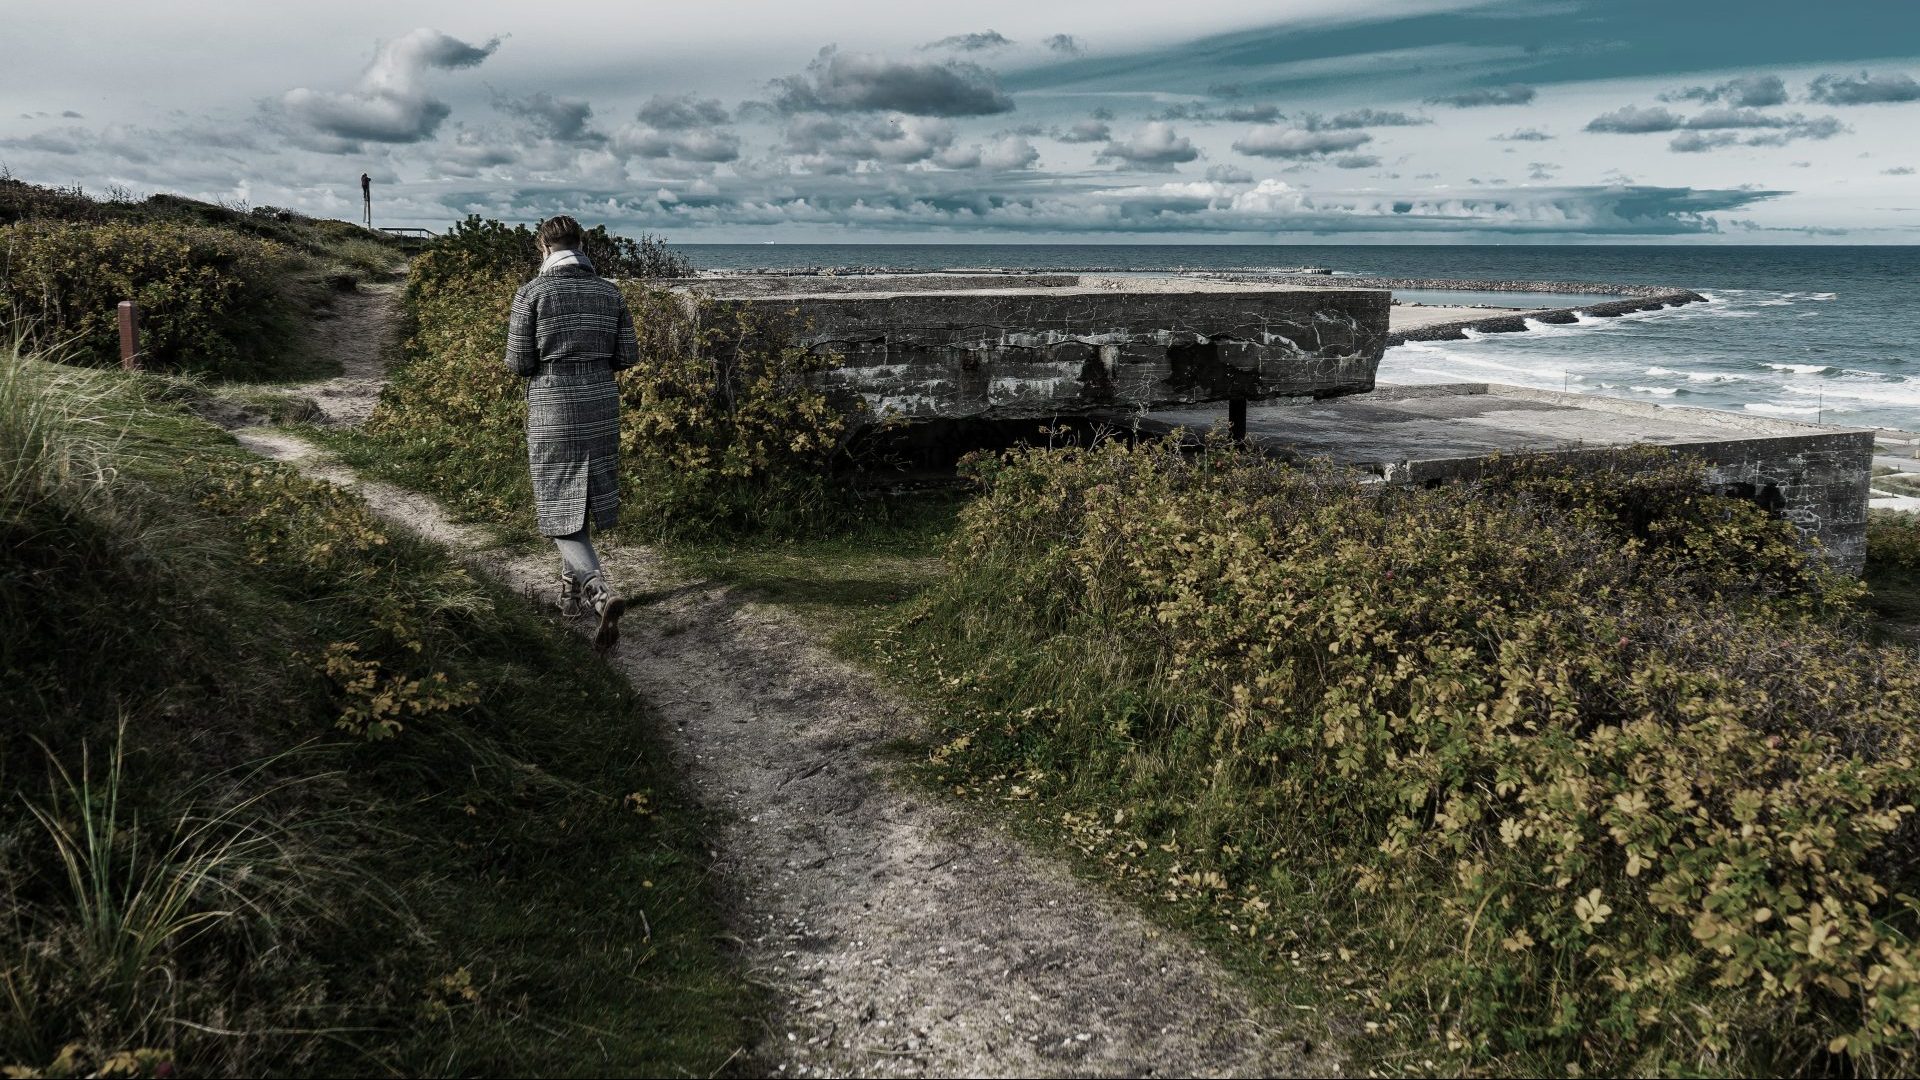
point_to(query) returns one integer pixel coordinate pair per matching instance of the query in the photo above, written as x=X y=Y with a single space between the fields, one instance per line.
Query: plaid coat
x=569 y=332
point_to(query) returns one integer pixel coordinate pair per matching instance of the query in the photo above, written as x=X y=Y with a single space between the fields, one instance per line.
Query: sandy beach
x=1404 y=317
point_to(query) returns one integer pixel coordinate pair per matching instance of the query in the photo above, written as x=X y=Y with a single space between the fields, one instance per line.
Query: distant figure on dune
x=366 y=198
x=569 y=332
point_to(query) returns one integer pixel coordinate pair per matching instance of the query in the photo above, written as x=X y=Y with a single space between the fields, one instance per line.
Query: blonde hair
x=559 y=232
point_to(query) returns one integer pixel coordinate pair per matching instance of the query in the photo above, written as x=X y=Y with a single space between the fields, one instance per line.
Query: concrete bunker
x=946 y=347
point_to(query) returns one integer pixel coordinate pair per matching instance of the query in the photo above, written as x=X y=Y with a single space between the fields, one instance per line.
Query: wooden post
x=130 y=335
x=1237 y=419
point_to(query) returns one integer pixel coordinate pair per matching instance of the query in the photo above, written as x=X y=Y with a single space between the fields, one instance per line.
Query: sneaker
x=570 y=597
x=609 y=606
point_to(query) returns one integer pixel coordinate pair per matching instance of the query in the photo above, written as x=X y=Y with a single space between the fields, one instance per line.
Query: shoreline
x=1634 y=298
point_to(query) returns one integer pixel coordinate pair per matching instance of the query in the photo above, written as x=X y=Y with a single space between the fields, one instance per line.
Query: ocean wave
x=1801 y=369
x=1769 y=409
x=1773 y=303
x=1661 y=371
x=1907 y=397
x=1656 y=391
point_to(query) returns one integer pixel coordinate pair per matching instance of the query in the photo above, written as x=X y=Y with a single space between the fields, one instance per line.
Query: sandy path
x=357 y=329
x=901 y=935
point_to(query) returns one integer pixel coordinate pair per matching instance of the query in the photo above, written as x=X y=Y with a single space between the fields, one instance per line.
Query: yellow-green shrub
x=326 y=543
x=210 y=300
x=711 y=438
x=1590 y=765
x=1893 y=539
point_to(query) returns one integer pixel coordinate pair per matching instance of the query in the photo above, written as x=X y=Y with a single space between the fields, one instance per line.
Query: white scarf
x=565 y=257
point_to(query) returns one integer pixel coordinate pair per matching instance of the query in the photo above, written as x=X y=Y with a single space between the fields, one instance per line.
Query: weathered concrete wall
x=1814 y=476
x=948 y=346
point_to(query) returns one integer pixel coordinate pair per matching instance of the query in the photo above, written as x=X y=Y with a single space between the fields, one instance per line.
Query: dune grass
x=209 y=862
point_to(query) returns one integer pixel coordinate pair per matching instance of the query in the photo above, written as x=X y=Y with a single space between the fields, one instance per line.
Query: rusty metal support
x=130 y=357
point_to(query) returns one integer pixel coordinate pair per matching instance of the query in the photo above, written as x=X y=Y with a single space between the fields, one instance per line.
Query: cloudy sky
x=1494 y=121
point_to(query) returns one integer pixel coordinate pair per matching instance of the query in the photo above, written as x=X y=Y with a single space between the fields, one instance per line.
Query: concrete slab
x=1815 y=476
x=1022 y=346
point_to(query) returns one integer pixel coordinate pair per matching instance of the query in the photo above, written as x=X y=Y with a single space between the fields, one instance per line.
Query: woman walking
x=569 y=333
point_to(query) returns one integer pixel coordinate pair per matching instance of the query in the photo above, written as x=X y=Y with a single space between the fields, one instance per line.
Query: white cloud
x=1155 y=146
x=1278 y=140
x=390 y=102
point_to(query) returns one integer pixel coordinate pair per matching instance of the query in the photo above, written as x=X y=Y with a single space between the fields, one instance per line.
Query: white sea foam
x=1904 y=396
x=1768 y=409
x=1661 y=371
x=1657 y=391
x=1801 y=369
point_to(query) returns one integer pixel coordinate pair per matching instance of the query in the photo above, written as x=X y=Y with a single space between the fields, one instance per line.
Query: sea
x=1827 y=334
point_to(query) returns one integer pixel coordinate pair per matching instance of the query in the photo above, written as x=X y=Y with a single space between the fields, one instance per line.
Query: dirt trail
x=902 y=935
x=357 y=330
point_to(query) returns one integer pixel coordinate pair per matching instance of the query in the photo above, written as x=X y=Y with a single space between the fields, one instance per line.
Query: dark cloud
x=1694 y=142
x=560 y=119
x=1634 y=120
x=679 y=127
x=989 y=39
x=1201 y=113
x=1155 y=146
x=1102 y=113
x=66 y=141
x=1008 y=154
x=1225 y=173
x=1512 y=94
x=1065 y=43
x=1819 y=127
x=71 y=115
x=200 y=148
x=1274 y=140
x=1750 y=225
x=678 y=112
x=1356 y=161
x=831 y=144
x=1524 y=135
x=1087 y=131
x=1863 y=89
x=1361 y=118
x=1898 y=170
x=1251 y=114
x=862 y=82
x=1541 y=170
x=390 y=102
x=1718 y=119
x=1722 y=121
x=468 y=152
x=1750 y=91
x=1714 y=129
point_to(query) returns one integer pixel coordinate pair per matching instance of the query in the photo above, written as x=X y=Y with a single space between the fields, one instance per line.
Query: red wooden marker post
x=129 y=335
